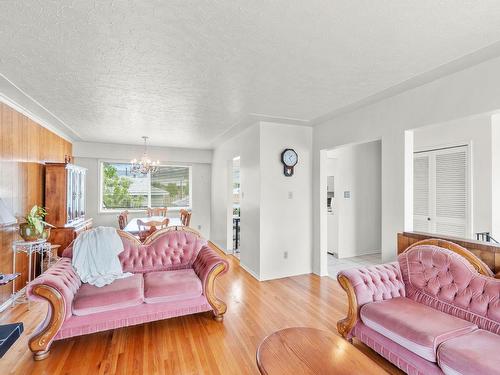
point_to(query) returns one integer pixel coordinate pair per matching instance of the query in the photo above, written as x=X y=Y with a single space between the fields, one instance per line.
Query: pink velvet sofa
x=431 y=312
x=174 y=274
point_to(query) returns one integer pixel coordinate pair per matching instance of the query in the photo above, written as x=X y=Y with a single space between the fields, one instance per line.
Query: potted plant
x=35 y=227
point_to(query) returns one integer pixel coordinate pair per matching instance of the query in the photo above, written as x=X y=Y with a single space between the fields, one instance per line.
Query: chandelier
x=145 y=165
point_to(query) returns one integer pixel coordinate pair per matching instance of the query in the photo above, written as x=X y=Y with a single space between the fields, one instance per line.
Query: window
x=169 y=187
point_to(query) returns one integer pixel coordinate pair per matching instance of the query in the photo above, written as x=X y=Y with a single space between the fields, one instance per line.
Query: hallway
x=336 y=265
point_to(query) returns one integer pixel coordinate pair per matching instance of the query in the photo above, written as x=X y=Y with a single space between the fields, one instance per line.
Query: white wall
x=469 y=92
x=495 y=176
x=247 y=146
x=475 y=131
x=358 y=170
x=333 y=215
x=128 y=152
x=271 y=223
x=286 y=222
x=89 y=154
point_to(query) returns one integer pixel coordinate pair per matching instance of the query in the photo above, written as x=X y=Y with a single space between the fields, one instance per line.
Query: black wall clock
x=289 y=158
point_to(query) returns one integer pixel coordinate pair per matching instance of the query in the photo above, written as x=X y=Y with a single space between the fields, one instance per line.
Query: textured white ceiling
x=184 y=72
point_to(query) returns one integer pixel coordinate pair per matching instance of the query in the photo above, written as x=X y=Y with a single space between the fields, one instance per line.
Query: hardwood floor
x=193 y=344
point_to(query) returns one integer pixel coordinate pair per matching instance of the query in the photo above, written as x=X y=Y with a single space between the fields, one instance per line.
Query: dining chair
x=147 y=228
x=157 y=211
x=185 y=217
x=123 y=219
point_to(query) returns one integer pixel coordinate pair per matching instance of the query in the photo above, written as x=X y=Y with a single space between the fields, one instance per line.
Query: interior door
x=452 y=192
x=421 y=197
x=442 y=205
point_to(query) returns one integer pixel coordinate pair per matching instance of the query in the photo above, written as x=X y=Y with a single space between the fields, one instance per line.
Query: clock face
x=289 y=158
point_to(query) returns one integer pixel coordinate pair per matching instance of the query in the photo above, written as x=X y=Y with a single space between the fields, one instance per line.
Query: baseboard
x=228 y=252
x=12 y=298
x=253 y=274
x=320 y=274
x=369 y=252
x=282 y=276
x=6 y=304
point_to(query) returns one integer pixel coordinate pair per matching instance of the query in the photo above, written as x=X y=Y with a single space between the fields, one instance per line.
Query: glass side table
x=41 y=247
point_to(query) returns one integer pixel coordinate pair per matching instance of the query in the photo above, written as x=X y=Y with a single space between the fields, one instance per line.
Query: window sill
x=118 y=211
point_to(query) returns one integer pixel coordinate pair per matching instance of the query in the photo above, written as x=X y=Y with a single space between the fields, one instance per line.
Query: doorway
x=353 y=206
x=236 y=210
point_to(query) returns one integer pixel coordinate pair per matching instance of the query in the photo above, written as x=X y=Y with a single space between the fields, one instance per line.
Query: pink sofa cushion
x=407 y=361
x=415 y=326
x=121 y=293
x=474 y=353
x=170 y=251
x=171 y=286
x=446 y=281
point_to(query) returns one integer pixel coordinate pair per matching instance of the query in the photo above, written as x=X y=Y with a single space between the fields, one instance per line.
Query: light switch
x=290 y=195
x=347 y=194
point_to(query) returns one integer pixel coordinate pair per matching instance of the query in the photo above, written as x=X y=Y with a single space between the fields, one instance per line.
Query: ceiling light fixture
x=145 y=165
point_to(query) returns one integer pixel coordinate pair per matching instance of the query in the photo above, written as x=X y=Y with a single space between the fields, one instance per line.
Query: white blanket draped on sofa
x=95 y=256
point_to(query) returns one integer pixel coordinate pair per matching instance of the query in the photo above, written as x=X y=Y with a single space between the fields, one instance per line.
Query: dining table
x=133 y=228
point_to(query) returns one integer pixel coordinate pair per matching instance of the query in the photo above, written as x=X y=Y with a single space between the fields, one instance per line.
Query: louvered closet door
x=452 y=198
x=421 y=197
x=447 y=192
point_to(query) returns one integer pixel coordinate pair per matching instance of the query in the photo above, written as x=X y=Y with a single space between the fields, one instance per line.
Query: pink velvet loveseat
x=174 y=274
x=431 y=312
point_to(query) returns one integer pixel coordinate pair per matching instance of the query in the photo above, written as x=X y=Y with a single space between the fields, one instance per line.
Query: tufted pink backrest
x=446 y=281
x=169 y=251
x=376 y=283
x=62 y=277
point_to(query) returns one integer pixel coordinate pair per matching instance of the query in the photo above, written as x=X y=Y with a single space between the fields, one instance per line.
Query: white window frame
x=100 y=179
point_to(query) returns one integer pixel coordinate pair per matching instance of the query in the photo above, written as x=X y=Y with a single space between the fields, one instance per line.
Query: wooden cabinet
x=65 y=202
x=65 y=235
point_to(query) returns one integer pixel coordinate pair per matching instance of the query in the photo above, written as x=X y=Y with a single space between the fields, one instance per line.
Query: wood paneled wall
x=24 y=147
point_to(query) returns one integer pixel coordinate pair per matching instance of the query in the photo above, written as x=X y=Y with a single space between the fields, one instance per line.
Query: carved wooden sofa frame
x=345 y=326
x=39 y=343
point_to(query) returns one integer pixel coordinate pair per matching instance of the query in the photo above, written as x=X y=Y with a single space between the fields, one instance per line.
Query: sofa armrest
x=57 y=286
x=365 y=285
x=208 y=266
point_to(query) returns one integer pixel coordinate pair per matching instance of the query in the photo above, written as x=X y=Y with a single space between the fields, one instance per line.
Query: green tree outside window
x=116 y=190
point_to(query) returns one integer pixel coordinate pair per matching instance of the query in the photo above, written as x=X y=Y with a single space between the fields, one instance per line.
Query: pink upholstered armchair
x=174 y=273
x=436 y=310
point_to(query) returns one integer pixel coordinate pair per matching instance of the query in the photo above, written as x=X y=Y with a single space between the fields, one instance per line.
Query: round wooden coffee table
x=311 y=351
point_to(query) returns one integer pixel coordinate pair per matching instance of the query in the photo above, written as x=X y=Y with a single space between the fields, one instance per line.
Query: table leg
x=13 y=271
x=30 y=254
x=49 y=261
x=42 y=251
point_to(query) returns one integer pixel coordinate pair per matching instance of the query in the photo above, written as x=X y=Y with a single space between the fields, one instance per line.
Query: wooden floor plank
x=193 y=344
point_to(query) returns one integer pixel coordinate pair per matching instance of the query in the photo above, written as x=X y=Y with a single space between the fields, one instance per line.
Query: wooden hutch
x=65 y=202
